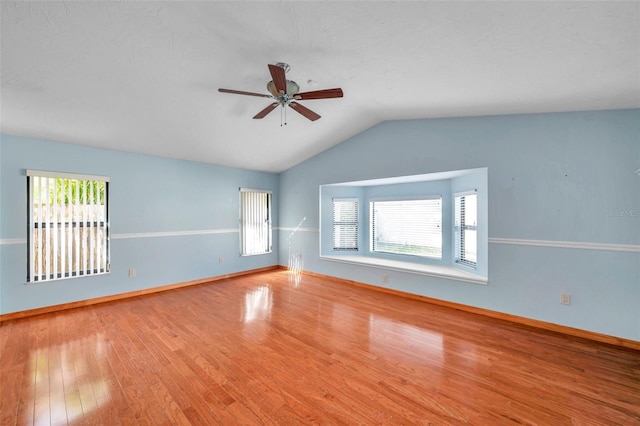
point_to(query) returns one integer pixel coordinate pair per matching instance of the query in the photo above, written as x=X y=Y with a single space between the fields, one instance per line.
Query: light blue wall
x=552 y=178
x=2 y=261
x=566 y=177
x=150 y=197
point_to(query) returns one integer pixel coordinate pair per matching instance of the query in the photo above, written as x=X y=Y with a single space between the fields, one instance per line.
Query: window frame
x=372 y=228
x=458 y=229
x=248 y=211
x=356 y=202
x=95 y=261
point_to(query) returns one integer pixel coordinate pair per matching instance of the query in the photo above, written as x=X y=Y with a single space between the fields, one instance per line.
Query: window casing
x=68 y=225
x=466 y=229
x=255 y=222
x=411 y=227
x=345 y=224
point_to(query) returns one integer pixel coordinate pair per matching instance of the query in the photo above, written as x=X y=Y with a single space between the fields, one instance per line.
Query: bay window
x=433 y=224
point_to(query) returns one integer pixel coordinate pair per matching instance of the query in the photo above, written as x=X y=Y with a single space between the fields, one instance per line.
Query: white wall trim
x=173 y=233
x=538 y=243
x=8 y=241
x=567 y=244
x=512 y=241
x=298 y=229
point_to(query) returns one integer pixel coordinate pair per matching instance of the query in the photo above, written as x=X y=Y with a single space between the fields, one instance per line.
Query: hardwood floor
x=278 y=348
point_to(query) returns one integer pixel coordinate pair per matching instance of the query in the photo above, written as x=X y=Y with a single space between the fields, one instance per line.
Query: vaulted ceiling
x=143 y=76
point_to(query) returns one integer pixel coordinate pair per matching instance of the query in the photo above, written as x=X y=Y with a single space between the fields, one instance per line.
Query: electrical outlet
x=565 y=298
x=385 y=278
x=220 y=260
x=132 y=273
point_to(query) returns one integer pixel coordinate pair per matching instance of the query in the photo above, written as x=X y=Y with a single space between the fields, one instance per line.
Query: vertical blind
x=345 y=224
x=68 y=225
x=465 y=224
x=255 y=221
x=408 y=227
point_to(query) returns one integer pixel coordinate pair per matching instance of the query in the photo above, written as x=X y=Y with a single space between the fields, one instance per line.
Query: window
x=407 y=227
x=433 y=224
x=345 y=224
x=68 y=225
x=465 y=225
x=255 y=222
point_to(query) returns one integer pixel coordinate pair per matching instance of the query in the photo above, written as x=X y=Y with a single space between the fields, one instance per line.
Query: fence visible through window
x=68 y=226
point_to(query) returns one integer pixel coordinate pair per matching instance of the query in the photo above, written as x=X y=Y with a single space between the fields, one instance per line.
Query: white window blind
x=465 y=224
x=255 y=222
x=345 y=224
x=407 y=227
x=68 y=225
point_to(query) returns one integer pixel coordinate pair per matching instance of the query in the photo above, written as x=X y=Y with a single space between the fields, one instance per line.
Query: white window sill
x=412 y=268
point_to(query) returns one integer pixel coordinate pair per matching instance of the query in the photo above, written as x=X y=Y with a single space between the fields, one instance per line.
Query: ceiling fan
x=285 y=93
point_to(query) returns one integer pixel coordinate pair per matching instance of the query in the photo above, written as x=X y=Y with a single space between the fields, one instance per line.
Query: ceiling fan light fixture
x=292 y=88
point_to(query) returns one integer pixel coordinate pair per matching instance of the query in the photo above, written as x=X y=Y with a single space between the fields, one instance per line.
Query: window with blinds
x=407 y=227
x=465 y=228
x=68 y=225
x=255 y=222
x=345 y=224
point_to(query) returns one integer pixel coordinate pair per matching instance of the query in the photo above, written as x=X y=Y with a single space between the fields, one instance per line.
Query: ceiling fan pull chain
x=284 y=107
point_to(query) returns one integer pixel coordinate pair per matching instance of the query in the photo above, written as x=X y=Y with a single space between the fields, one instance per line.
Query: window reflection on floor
x=295 y=264
x=258 y=304
x=67 y=381
x=295 y=278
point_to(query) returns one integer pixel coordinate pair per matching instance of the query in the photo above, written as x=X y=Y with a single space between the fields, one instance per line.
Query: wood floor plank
x=274 y=348
x=27 y=401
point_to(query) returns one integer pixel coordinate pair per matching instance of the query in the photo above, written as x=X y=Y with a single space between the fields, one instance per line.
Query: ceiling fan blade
x=304 y=111
x=280 y=81
x=266 y=111
x=240 y=92
x=320 y=94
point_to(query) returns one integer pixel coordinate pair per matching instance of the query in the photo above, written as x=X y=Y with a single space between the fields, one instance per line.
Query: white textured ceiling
x=143 y=76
